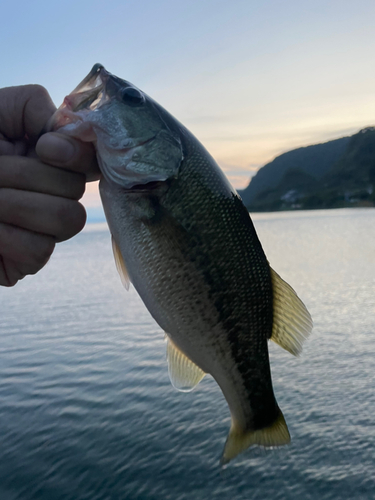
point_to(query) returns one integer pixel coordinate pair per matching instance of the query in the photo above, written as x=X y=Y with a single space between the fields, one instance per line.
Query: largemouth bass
x=183 y=238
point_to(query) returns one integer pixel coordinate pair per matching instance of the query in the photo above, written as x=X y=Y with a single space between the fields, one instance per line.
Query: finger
x=63 y=151
x=11 y=147
x=10 y=273
x=24 y=110
x=42 y=213
x=32 y=175
x=22 y=253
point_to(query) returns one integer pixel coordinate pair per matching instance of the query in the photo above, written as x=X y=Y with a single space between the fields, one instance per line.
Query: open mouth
x=90 y=92
x=87 y=96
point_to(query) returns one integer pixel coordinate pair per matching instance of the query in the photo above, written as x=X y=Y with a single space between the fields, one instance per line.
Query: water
x=87 y=410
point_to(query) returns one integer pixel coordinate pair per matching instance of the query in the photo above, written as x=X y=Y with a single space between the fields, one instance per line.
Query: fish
x=182 y=236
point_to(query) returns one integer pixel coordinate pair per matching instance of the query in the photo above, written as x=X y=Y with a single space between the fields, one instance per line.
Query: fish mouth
x=94 y=91
x=81 y=116
x=89 y=95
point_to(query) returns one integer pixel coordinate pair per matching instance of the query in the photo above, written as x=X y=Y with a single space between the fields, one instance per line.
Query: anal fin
x=183 y=373
x=120 y=264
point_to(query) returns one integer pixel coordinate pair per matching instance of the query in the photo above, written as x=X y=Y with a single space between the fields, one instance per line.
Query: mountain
x=333 y=174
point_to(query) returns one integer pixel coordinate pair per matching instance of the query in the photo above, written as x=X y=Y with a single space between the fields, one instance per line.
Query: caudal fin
x=276 y=434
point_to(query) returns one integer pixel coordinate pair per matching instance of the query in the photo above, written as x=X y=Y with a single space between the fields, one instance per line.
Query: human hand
x=38 y=196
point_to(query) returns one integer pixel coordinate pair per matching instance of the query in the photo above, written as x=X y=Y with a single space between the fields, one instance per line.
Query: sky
x=250 y=78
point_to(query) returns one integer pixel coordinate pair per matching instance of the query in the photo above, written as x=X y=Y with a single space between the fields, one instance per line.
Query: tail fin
x=276 y=434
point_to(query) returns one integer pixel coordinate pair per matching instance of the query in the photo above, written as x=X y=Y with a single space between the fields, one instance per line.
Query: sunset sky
x=250 y=79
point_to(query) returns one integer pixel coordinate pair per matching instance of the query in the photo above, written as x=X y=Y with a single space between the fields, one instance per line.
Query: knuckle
x=42 y=256
x=14 y=279
x=77 y=185
x=81 y=187
x=47 y=251
x=86 y=161
x=38 y=91
x=79 y=219
x=9 y=273
x=6 y=280
x=70 y=185
x=9 y=283
x=73 y=219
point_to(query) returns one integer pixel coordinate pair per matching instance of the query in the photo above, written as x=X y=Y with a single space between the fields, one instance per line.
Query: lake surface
x=87 y=410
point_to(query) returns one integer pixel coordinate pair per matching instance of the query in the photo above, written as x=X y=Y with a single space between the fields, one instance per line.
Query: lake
x=87 y=410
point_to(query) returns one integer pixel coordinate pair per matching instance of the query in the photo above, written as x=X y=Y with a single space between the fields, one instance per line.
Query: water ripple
x=87 y=410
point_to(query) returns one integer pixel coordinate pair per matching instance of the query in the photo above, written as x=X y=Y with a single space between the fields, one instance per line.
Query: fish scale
x=225 y=266
x=183 y=238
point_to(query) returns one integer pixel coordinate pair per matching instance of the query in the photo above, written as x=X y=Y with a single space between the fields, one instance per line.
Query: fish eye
x=132 y=96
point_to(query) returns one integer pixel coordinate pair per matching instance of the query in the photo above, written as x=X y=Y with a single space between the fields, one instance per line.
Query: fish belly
x=203 y=306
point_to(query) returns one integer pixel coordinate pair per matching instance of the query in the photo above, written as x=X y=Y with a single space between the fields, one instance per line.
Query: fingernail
x=55 y=148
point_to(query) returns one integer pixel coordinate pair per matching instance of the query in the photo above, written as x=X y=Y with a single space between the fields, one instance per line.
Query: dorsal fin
x=292 y=323
x=184 y=374
x=120 y=264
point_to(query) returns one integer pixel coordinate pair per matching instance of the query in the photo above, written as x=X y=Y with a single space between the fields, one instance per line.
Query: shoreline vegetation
x=335 y=174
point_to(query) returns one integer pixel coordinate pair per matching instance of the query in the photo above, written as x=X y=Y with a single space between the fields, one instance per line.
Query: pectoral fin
x=292 y=323
x=120 y=265
x=276 y=434
x=184 y=374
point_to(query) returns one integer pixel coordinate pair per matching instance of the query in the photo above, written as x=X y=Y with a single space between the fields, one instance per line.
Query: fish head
x=136 y=140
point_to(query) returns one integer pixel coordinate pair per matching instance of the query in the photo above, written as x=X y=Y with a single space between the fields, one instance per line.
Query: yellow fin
x=276 y=434
x=184 y=374
x=292 y=323
x=120 y=265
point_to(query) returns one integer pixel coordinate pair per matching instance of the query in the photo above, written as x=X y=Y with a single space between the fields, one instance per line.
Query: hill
x=333 y=174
